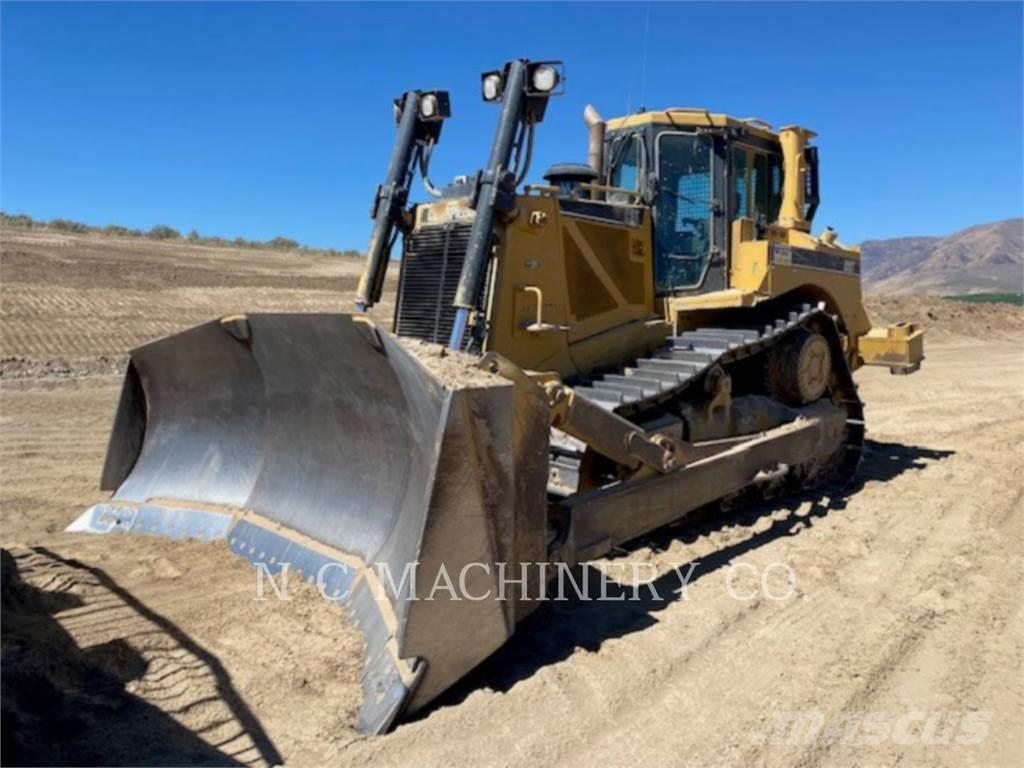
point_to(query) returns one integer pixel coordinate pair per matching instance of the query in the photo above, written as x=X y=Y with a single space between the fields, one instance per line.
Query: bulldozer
x=571 y=365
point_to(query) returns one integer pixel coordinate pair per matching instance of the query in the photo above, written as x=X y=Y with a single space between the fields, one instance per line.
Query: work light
x=428 y=106
x=434 y=106
x=492 y=85
x=545 y=78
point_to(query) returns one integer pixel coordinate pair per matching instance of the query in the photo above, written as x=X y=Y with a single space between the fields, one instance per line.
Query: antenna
x=643 y=67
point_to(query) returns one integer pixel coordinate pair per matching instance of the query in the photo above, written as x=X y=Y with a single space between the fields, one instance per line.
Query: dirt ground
x=905 y=611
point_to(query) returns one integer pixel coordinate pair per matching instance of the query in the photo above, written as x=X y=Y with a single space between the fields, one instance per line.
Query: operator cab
x=699 y=172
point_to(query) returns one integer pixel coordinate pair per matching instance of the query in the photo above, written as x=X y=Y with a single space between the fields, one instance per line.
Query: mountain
x=988 y=258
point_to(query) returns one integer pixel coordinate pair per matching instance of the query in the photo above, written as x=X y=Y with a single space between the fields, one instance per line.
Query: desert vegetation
x=163 y=232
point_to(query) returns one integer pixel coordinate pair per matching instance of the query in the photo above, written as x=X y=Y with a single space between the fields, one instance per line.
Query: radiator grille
x=431 y=265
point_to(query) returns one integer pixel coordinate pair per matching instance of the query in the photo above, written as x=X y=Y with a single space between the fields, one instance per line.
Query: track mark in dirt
x=176 y=705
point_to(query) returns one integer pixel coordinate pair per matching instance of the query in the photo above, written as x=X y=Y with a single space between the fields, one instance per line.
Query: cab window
x=767 y=185
x=626 y=161
x=757 y=184
x=744 y=180
x=684 y=211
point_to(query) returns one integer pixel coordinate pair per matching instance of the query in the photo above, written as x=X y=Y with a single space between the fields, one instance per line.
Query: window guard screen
x=683 y=214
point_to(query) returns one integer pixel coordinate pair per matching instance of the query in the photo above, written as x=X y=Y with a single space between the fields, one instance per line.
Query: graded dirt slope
x=135 y=650
x=78 y=303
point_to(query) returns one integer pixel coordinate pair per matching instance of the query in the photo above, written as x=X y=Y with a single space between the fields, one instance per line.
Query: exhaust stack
x=794 y=182
x=595 y=139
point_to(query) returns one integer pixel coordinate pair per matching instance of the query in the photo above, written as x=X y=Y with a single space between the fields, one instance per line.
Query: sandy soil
x=134 y=650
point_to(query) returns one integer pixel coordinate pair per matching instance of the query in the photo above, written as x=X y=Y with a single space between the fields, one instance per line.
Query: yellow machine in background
x=571 y=365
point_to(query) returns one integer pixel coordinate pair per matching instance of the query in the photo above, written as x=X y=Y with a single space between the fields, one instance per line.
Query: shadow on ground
x=557 y=629
x=67 y=705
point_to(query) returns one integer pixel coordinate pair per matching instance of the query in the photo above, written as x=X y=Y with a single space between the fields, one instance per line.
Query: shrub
x=66 y=225
x=162 y=232
x=283 y=244
x=16 y=220
x=989 y=298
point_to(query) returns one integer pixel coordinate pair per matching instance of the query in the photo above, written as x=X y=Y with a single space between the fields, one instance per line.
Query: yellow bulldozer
x=571 y=365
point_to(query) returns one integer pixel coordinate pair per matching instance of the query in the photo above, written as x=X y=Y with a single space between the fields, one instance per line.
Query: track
x=677 y=373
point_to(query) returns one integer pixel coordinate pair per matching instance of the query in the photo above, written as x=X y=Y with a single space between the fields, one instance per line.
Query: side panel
x=749 y=266
x=530 y=254
x=804 y=260
x=844 y=290
x=769 y=269
x=799 y=267
x=589 y=275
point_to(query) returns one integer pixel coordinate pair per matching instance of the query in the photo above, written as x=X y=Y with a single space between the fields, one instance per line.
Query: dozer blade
x=320 y=446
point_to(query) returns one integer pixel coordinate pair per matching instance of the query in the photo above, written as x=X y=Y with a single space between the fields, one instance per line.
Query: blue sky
x=275 y=119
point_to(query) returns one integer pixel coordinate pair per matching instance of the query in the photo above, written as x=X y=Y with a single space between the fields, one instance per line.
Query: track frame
x=827 y=435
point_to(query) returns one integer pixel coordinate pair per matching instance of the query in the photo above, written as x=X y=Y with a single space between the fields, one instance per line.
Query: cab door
x=689 y=234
